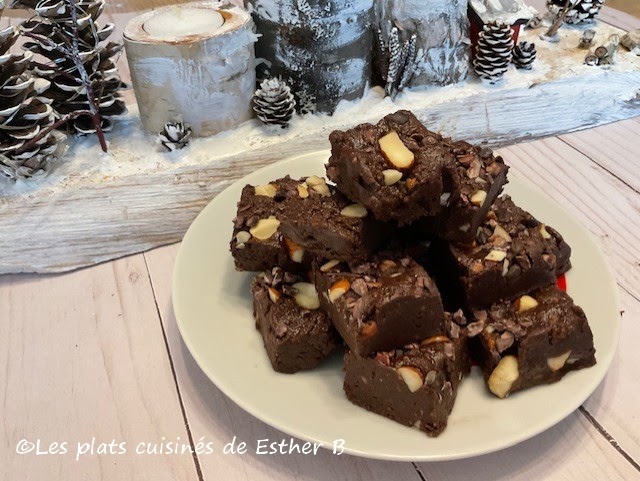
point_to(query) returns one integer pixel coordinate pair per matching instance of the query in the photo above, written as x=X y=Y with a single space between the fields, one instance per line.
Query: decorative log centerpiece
x=321 y=48
x=193 y=61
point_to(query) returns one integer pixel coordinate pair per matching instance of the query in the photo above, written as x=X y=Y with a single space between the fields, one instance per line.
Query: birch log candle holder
x=195 y=61
x=322 y=48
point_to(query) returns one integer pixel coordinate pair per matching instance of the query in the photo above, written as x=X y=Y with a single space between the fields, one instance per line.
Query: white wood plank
x=82 y=356
x=212 y=415
x=572 y=450
x=614 y=147
x=615 y=403
x=619 y=19
x=609 y=209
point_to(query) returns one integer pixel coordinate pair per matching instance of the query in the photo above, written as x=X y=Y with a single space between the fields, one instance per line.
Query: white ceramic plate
x=213 y=308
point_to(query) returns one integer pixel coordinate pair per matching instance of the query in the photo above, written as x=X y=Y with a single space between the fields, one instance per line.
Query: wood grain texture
x=572 y=450
x=82 y=356
x=212 y=415
x=614 y=403
x=614 y=148
x=608 y=208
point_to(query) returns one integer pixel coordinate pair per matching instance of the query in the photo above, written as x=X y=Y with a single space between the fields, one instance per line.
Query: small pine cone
x=494 y=51
x=274 y=102
x=580 y=10
x=175 y=136
x=524 y=55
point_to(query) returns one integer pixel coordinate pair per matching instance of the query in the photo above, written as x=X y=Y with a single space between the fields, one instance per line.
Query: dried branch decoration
x=397 y=59
x=85 y=83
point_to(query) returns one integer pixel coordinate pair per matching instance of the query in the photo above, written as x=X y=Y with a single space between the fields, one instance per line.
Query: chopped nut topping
x=496 y=256
x=338 y=289
x=504 y=376
x=274 y=295
x=242 y=237
x=268 y=190
x=396 y=153
x=306 y=295
x=354 y=210
x=525 y=303
x=543 y=231
x=391 y=176
x=558 y=362
x=265 y=228
x=303 y=191
x=296 y=252
x=326 y=267
x=412 y=376
x=478 y=198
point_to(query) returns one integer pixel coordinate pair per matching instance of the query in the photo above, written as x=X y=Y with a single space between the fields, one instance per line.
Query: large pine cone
x=68 y=91
x=580 y=11
x=23 y=116
x=494 y=51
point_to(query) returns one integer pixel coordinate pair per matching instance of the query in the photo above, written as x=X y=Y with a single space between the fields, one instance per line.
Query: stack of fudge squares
x=412 y=260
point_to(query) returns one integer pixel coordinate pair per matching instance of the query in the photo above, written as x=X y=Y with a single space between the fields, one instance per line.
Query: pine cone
x=175 y=136
x=274 y=102
x=68 y=92
x=580 y=11
x=24 y=114
x=524 y=55
x=494 y=51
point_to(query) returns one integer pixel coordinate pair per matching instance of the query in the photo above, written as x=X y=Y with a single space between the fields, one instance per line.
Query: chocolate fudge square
x=397 y=168
x=257 y=243
x=333 y=227
x=534 y=340
x=415 y=385
x=297 y=334
x=387 y=302
x=513 y=254
x=481 y=177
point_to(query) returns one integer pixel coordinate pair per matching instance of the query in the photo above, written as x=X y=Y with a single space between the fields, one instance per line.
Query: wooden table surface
x=95 y=356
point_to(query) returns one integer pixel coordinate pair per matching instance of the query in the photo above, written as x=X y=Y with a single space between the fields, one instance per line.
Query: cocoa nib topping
x=359 y=286
x=504 y=341
x=279 y=279
x=475 y=328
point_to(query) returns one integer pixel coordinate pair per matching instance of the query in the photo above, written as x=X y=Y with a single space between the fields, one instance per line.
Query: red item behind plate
x=562 y=282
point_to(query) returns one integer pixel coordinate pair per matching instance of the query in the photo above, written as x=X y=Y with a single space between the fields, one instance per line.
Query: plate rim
x=269 y=420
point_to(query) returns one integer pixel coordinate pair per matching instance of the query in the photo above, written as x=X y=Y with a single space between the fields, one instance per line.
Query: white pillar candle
x=195 y=61
x=178 y=22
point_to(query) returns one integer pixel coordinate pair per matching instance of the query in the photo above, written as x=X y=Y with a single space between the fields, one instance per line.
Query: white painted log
x=442 y=29
x=322 y=48
x=92 y=208
x=193 y=61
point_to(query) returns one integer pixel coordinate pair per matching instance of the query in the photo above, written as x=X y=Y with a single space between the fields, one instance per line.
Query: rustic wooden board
x=82 y=216
x=83 y=356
